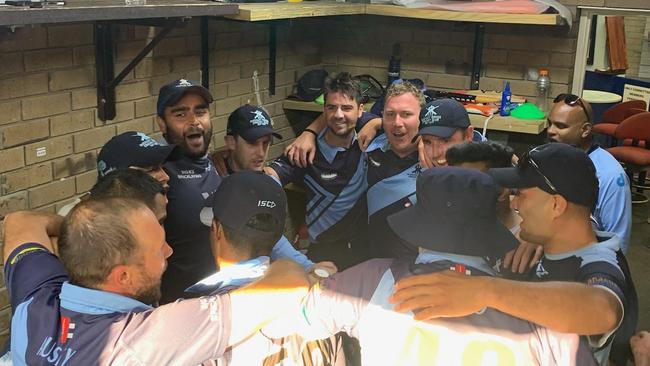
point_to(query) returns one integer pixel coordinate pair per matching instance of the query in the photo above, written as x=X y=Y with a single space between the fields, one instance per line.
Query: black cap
x=245 y=194
x=442 y=117
x=251 y=123
x=311 y=85
x=171 y=93
x=132 y=149
x=455 y=213
x=556 y=168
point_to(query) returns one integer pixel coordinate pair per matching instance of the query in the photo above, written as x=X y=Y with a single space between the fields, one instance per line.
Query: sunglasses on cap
x=527 y=161
x=572 y=100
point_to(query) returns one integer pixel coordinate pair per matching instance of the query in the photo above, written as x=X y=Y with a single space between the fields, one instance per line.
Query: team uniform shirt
x=356 y=302
x=614 y=207
x=191 y=184
x=260 y=349
x=391 y=188
x=336 y=183
x=601 y=264
x=56 y=323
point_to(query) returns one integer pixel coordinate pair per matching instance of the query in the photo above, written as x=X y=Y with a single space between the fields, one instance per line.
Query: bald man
x=570 y=122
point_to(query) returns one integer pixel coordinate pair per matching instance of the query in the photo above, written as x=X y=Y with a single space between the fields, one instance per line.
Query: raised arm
x=30 y=227
x=567 y=307
x=302 y=151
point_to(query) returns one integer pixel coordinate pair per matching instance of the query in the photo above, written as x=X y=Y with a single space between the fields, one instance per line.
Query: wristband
x=310 y=131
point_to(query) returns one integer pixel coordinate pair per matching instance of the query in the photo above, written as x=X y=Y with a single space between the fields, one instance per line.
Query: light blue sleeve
x=284 y=249
x=614 y=208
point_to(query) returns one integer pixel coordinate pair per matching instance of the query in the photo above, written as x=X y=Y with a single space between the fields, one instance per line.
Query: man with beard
x=569 y=122
x=91 y=306
x=184 y=119
x=336 y=181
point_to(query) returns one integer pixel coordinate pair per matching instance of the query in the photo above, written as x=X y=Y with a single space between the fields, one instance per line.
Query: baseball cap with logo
x=555 y=168
x=132 y=148
x=171 y=93
x=251 y=123
x=247 y=193
x=442 y=117
x=455 y=213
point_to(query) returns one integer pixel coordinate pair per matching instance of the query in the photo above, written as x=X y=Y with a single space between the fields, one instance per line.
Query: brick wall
x=634 y=38
x=50 y=133
x=440 y=53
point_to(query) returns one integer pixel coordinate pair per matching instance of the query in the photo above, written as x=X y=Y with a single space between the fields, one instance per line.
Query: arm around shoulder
x=30 y=227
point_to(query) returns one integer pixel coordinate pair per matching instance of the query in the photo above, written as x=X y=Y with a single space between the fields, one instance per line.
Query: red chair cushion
x=631 y=155
x=605 y=128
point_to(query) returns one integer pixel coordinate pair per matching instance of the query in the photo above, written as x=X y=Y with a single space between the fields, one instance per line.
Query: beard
x=190 y=150
x=150 y=292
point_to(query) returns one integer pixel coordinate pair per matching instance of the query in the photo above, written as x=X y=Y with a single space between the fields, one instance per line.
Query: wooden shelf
x=311 y=106
x=306 y=9
x=508 y=124
x=94 y=10
x=456 y=16
x=283 y=10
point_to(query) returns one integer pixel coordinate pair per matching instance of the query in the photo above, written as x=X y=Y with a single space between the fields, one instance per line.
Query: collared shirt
x=356 y=301
x=613 y=211
x=336 y=183
x=601 y=264
x=192 y=181
x=391 y=188
x=56 y=323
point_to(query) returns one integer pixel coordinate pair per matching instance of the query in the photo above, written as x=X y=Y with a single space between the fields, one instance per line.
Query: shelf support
x=477 y=56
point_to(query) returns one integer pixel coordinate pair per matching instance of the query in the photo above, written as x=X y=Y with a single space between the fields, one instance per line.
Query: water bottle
x=394 y=64
x=506 y=96
x=543 y=87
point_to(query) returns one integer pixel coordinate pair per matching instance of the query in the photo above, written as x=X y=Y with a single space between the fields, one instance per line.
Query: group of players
x=428 y=245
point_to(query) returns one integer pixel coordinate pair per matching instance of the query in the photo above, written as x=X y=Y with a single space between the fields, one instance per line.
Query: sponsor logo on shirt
x=620 y=181
x=416 y=171
x=54 y=354
x=188 y=174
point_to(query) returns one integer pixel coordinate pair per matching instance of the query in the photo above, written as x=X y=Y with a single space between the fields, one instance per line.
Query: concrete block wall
x=49 y=130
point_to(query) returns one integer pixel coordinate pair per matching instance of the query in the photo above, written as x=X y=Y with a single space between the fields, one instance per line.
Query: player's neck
x=572 y=235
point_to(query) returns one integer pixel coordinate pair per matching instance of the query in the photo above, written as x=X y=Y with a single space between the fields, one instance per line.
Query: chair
x=635 y=153
x=616 y=114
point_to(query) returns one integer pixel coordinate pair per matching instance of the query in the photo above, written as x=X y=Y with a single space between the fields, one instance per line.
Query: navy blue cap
x=132 y=148
x=251 y=123
x=442 y=117
x=569 y=171
x=171 y=93
x=247 y=193
x=455 y=213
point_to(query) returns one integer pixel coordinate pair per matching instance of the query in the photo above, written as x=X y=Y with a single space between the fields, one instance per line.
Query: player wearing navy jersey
x=584 y=285
x=336 y=181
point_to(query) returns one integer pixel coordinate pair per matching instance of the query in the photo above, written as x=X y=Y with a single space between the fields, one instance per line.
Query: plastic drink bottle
x=506 y=96
x=543 y=87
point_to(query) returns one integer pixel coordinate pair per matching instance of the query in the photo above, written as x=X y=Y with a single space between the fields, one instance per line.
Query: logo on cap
x=183 y=83
x=431 y=116
x=268 y=204
x=146 y=141
x=259 y=119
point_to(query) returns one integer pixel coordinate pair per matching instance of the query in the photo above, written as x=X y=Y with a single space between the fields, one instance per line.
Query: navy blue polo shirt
x=601 y=264
x=191 y=183
x=336 y=183
x=391 y=188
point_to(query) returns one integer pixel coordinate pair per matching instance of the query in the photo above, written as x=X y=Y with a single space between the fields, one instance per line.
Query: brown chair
x=635 y=154
x=616 y=114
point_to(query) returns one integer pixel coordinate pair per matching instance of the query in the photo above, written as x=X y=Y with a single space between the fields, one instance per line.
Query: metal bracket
x=477 y=56
x=105 y=64
x=273 y=40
